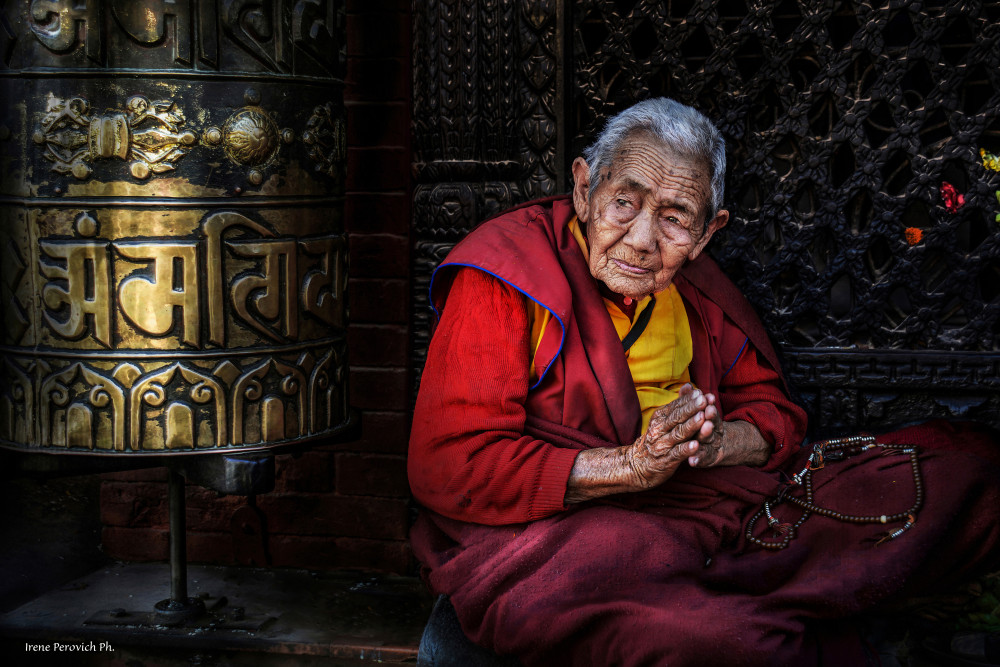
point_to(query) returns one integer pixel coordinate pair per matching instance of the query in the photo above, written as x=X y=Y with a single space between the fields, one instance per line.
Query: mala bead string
x=899 y=531
x=823 y=452
x=779 y=528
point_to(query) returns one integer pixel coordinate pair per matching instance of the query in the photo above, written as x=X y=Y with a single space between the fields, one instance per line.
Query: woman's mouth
x=629 y=268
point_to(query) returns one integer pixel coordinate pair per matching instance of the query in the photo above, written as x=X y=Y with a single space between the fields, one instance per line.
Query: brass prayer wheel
x=173 y=262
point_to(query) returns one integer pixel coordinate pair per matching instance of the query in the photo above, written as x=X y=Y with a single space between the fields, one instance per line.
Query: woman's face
x=647 y=216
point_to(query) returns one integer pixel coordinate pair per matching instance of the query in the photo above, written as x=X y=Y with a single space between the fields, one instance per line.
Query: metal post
x=178 y=539
x=178 y=607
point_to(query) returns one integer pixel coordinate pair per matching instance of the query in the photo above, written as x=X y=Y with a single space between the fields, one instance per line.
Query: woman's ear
x=714 y=225
x=581 y=189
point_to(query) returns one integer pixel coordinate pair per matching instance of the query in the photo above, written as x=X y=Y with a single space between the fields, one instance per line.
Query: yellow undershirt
x=659 y=358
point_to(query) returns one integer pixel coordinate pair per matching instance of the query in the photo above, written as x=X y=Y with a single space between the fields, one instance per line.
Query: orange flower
x=914 y=235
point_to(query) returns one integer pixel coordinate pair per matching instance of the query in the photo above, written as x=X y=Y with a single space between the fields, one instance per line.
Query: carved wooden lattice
x=487 y=102
x=843 y=122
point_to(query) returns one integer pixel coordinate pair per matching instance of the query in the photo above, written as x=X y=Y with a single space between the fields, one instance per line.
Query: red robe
x=660 y=577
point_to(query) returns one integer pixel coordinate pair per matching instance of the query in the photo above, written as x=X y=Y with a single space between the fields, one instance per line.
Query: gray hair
x=682 y=130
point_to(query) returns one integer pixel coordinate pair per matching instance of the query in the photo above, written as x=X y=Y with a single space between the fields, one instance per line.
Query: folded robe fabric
x=665 y=576
x=668 y=577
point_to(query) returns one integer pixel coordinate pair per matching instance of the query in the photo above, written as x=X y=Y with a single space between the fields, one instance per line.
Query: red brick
x=158 y=474
x=379 y=255
x=372 y=475
x=377 y=169
x=379 y=388
x=206 y=510
x=378 y=300
x=324 y=553
x=340 y=516
x=136 y=544
x=384 y=432
x=385 y=124
x=378 y=33
x=211 y=548
x=382 y=213
x=377 y=344
x=134 y=504
x=310 y=472
x=377 y=79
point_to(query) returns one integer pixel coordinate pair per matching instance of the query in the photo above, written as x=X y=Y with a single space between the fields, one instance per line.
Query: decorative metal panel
x=172 y=245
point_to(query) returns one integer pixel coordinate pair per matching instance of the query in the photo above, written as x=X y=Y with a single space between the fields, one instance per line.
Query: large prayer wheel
x=172 y=246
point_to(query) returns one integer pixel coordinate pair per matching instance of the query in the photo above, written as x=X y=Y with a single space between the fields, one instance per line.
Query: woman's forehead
x=651 y=170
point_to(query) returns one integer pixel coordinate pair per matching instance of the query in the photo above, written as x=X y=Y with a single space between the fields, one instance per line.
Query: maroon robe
x=665 y=576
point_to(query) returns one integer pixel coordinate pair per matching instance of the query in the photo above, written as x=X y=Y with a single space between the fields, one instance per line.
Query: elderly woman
x=601 y=416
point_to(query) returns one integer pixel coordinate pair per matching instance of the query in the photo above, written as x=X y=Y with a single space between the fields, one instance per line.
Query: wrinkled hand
x=674 y=434
x=732 y=443
x=712 y=448
x=689 y=428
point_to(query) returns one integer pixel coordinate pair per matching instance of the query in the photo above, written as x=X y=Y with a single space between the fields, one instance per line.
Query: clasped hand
x=690 y=427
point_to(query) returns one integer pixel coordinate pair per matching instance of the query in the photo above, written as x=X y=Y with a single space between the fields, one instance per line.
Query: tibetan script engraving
x=85 y=273
x=149 y=304
x=239 y=272
x=56 y=25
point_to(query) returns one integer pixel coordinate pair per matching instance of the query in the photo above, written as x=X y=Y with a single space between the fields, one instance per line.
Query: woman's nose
x=641 y=234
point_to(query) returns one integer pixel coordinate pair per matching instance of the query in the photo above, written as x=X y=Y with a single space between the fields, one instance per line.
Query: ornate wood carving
x=862 y=172
x=487 y=100
x=843 y=121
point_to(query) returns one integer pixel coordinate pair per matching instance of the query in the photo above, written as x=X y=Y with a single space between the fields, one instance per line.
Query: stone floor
x=270 y=616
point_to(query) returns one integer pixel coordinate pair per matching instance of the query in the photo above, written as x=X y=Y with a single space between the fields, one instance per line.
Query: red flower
x=952 y=200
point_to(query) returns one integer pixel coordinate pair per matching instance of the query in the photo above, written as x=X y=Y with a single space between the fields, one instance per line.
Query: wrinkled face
x=647 y=216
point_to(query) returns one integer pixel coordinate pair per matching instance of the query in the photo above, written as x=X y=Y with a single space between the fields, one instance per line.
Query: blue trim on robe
x=738 y=355
x=562 y=325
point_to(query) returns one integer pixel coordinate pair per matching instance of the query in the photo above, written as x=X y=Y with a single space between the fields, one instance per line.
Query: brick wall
x=344 y=505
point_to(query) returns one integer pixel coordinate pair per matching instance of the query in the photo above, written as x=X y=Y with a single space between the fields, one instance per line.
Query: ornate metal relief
x=250 y=138
x=228 y=335
x=326 y=136
x=172 y=264
x=56 y=24
x=299 y=37
x=148 y=134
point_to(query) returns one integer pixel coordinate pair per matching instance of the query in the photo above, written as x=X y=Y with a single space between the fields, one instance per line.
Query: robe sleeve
x=752 y=391
x=469 y=457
